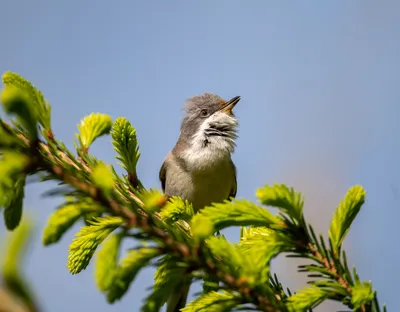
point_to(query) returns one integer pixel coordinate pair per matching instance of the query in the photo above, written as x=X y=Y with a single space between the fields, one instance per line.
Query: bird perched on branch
x=199 y=168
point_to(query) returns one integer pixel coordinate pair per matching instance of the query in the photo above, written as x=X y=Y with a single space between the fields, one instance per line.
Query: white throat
x=213 y=142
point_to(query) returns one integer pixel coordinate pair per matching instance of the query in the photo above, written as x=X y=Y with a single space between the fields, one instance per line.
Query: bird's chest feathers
x=211 y=183
x=208 y=153
x=206 y=159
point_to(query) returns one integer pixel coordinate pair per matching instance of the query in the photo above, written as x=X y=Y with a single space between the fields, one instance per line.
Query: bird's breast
x=211 y=186
x=202 y=186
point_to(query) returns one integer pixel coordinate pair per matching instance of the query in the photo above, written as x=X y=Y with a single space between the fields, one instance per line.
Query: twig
x=332 y=268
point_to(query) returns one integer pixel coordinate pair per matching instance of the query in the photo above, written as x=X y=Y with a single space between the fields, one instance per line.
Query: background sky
x=319 y=82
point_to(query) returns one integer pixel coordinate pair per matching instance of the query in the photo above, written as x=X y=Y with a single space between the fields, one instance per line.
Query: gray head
x=209 y=122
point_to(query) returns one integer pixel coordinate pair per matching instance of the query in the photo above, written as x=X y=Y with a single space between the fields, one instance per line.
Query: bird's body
x=199 y=168
x=200 y=187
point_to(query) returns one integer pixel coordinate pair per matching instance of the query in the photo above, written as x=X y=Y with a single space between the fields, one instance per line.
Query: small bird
x=199 y=168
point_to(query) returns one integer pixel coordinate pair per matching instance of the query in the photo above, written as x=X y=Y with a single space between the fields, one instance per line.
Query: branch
x=46 y=152
x=184 y=238
x=145 y=222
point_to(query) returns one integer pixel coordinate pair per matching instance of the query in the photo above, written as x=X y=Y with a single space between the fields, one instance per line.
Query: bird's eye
x=203 y=113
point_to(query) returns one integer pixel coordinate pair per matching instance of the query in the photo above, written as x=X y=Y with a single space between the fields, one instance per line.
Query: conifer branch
x=45 y=160
x=145 y=222
x=47 y=154
x=183 y=241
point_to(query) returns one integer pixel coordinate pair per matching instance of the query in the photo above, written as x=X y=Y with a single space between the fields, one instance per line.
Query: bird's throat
x=213 y=142
x=207 y=151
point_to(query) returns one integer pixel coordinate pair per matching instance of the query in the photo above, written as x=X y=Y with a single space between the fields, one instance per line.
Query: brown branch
x=133 y=180
x=332 y=268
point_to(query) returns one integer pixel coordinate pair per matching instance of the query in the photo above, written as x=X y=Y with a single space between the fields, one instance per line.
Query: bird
x=199 y=168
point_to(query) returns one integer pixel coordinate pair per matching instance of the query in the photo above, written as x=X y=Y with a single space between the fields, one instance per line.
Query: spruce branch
x=234 y=275
x=58 y=155
x=331 y=266
x=337 y=280
x=88 y=239
x=126 y=145
x=66 y=216
x=38 y=104
x=92 y=127
x=345 y=214
x=196 y=258
x=144 y=222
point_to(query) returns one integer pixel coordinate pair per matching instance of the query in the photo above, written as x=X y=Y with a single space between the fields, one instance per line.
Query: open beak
x=228 y=106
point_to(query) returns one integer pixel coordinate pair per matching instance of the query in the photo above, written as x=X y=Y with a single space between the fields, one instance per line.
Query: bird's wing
x=233 y=191
x=163 y=174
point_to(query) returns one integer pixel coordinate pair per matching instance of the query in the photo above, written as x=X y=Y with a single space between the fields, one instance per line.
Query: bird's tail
x=177 y=300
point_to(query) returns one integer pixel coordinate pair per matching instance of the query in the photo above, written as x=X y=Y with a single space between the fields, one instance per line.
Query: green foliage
x=125 y=144
x=88 y=239
x=282 y=197
x=13 y=255
x=153 y=200
x=12 y=183
x=263 y=244
x=126 y=272
x=107 y=260
x=63 y=218
x=214 y=302
x=33 y=96
x=307 y=298
x=235 y=276
x=361 y=294
x=345 y=214
x=17 y=245
x=177 y=209
x=103 y=177
x=168 y=276
x=6 y=139
x=202 y=227
x=236 y=213
x=239 y=263
x=210 y=283
x=16 y=102
x=13 y=210
x=92 y=127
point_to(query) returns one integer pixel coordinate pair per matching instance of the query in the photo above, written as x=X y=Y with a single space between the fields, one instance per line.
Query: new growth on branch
x=164 y=233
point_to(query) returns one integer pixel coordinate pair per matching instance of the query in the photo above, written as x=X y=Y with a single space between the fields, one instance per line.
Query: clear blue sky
x=319 y=82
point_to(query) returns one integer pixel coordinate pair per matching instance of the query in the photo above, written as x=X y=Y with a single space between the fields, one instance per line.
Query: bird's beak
x=228 y=106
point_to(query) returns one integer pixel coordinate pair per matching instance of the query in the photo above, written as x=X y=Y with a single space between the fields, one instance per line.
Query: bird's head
x=210 y=122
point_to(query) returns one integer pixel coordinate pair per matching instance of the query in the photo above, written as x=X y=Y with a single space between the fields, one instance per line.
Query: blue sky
x=319 y=86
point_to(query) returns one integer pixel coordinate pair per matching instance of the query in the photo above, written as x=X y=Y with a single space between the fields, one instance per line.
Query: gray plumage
x=199 y=168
